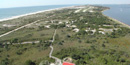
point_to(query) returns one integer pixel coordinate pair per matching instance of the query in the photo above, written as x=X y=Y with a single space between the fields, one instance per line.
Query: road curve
x=57 y=60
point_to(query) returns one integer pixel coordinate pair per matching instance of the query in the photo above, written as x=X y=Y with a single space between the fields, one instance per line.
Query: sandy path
x=57 y=60
x=19 y=28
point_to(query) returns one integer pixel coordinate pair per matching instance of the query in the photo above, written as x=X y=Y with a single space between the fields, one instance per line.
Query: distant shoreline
x=117 y=21
x=15 y=17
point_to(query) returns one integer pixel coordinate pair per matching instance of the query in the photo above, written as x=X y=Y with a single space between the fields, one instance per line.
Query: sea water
x=119 y=12
x=10 y=12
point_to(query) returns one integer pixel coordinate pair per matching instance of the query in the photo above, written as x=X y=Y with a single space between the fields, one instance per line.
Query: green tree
x=6 y=46
x=5 y=62
x=15 y=40
x=29 y=62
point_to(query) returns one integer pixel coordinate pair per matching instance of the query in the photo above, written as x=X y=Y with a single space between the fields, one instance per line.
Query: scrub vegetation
x=83 y=34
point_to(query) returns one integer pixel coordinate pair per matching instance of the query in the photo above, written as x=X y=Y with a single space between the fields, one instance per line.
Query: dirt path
x=57 y=60
x=19 y=28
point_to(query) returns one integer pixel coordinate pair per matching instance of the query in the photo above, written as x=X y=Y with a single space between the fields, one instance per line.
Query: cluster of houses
x=70 y=24
x=75 y=29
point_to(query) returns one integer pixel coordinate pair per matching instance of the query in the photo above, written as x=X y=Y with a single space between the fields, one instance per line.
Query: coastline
x=15 y=17
x=117 y=21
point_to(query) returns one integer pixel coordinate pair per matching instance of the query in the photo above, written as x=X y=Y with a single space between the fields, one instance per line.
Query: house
x=46 y=21
x=52 y=64
x=67 y=63
x=101 y=32
x=91 y=11
x=73 y=26
x=93 y=30
x=47 y=26
x=76 y=30
x=67 y=22
x=107 y=25
x=72 y=22
x=67 y=25
x=7 y=25
x=60 y=22
x=52 y=21
x=106 y=30
x=86 y=23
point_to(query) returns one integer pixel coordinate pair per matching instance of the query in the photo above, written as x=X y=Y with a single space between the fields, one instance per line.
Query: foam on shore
x=15 y=17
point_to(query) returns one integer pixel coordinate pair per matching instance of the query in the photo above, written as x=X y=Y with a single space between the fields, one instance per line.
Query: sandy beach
x=117 y=21
x=15 y=17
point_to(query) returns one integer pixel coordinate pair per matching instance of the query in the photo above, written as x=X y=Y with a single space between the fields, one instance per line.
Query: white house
x=52 y=64
x=68 y=25
x=93 y=30
x=86 y=23
x=60 y=22
x=7 y=25
x=74 y=26
x=47 y=26
x=76 y=30
x=101 y=32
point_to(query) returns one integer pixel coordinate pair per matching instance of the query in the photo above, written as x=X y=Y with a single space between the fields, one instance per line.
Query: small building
x=76 y=30
x=52 y=64
x=47 y=26
x=107 y=25
x=52 y=21
x=60 y=22
x=66 y=22
x=86 y=23
x=91 y=11
x=67 y=63
x=8 y=25
x=101 y=32
x=106 y=30
x=72 y=22
x=93 y=30
x=68 y=25
x=46 y=21
x=73 y=26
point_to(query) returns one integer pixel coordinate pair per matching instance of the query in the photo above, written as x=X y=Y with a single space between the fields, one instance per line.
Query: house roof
x=67 y=63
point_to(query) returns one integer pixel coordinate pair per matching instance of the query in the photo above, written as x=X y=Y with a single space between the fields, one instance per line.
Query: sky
x=23 y=3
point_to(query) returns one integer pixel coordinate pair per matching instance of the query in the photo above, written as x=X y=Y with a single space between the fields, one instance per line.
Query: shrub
x=29 y=62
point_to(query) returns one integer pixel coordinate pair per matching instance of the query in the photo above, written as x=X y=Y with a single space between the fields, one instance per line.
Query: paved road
x=57 y=60
x=19 y=28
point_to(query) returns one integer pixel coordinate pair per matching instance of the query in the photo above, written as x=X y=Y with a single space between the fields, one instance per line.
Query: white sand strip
x=14 y=17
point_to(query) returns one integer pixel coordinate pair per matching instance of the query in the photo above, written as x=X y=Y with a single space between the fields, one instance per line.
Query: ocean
x=119 y=12
x=10 y=12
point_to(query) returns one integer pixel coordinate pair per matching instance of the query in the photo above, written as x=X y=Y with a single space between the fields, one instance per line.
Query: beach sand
x=15 y=17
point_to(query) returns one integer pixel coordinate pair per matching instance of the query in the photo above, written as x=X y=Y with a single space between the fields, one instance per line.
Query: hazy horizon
x=62 y=4
x=25 y=3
